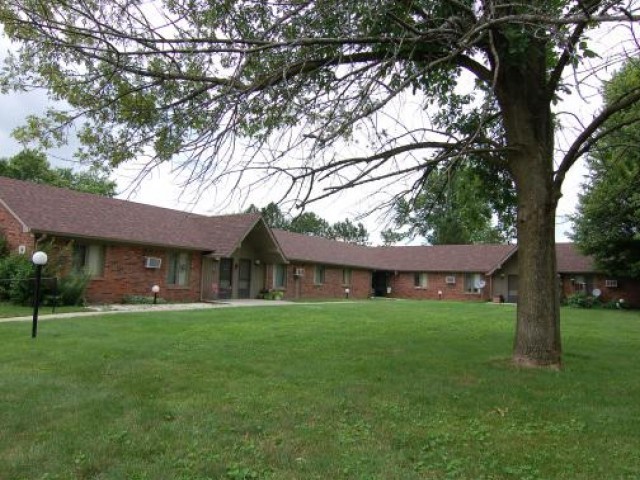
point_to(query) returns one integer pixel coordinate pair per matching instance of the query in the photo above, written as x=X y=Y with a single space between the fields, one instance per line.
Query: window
x=472 y=282
x=346 y=276
x=178 y=264
x=583 y=283
x=88 y=259
x=319 y=275
x=279 y=276
x=420 y=280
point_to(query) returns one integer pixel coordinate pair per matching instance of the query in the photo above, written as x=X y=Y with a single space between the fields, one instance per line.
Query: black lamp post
x=39 y=259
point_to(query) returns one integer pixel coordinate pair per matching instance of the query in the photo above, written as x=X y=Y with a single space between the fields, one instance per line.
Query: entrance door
x=209 y=280
x=379 y=283
x=512 y=289
x=226 y=270
x=244 y=279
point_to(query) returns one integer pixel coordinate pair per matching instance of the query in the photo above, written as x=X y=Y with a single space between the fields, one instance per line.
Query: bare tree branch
x=586 y=138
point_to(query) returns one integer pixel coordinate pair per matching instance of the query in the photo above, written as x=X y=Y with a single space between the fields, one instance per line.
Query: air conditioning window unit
x=152 y=262
x=450 y=279
x=611 y=283
x=298 y=272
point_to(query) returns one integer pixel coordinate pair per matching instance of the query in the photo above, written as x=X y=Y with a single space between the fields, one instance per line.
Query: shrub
x=141 y=299
x=273 y=294
x=583 y=300
x=21 y=287
x=15 y=274
x=71 y=289
x=618 y=304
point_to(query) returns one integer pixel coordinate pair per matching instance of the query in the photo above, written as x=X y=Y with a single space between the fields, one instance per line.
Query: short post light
x=347 y=292
x=155 y=289
x=39 y=259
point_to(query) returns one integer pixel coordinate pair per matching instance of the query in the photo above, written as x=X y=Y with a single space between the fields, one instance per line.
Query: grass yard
x=8 y=310
x=379 y=390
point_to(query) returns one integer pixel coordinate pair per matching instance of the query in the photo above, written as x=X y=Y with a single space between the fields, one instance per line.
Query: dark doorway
x=226 y=270
x=244 y=279
x=379 y=283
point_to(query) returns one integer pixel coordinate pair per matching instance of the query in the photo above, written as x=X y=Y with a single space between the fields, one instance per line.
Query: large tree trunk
x=537 y=341
x=525 y=105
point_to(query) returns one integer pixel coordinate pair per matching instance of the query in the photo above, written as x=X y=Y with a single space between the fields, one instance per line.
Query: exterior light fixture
x=346 y=292
x=39 y=259
x=155 y=289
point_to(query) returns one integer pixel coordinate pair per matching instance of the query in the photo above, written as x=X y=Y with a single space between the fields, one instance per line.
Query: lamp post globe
x=39 y=258
x=155 y=289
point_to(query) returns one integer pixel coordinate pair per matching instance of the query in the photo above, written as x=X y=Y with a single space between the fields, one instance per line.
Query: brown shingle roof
x=47 y=209
x=440 y=258
x=570 y=260
x=444 y=258
x=296 y=246
x=433 y=258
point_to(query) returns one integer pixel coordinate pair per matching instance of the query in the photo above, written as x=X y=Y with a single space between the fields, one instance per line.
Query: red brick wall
x=304 y=286
x=627 y=289
x=402 y=286
x=125 y=274
x=12 y=231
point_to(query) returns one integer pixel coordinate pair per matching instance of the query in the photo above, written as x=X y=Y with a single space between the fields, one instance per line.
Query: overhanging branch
x=586 y=136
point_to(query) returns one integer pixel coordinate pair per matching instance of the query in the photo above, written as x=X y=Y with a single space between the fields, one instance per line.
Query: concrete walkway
x=122 y=308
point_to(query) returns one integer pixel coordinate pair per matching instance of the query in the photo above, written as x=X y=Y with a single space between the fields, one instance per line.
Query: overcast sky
x=162 y=188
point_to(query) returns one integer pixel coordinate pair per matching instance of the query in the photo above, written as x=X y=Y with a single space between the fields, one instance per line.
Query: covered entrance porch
x=242 y=274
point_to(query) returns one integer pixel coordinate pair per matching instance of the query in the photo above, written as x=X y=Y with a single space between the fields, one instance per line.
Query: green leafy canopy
x=33 y=166
x=607 y=224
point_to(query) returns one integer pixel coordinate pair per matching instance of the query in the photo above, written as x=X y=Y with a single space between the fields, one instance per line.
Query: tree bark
x=537 y=342
x=528 y=123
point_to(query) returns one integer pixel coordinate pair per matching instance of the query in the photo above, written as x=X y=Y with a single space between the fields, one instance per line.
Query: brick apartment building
x=127 y=247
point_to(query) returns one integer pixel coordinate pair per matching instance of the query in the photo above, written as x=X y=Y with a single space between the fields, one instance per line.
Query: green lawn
x=8 y=310
x=379 y=390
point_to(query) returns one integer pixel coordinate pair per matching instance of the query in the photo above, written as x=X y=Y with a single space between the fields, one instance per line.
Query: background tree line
x=33 y=166
x=309 y=223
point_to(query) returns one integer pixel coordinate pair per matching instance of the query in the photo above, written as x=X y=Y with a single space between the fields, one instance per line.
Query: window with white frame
x=178 y=266
x=279 y=275
x=472 y=282
x=346 y=276
x=89 y=259
x=318 y=277
x=583 y=283
x=420 y=280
